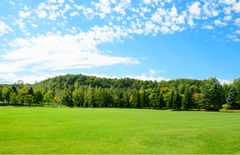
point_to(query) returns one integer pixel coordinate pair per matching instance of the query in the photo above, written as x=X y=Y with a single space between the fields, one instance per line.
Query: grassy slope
x=74 y=130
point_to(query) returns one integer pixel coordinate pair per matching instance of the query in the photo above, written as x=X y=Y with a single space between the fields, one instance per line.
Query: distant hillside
x=71 y=81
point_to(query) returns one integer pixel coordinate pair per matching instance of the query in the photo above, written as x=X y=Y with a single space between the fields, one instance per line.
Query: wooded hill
x=82 y=90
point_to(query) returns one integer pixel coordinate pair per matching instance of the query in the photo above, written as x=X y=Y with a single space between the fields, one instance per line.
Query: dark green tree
x=160 y=102
x=170 y=100
x=206 y=97
x=177 y=101
x=231 y=97
x=14 y=88
x=186 y=101
x=30 y=91
x=38 y=96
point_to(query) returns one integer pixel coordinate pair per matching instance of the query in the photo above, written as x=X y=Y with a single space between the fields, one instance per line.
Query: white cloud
x=74 y=14
x=231 y=36
x=237 y=21
x=145 y=9
x=238 y=31
x=26 y=8
x=11 y=2
x=113 y=1
x=227 y=10
x=236 y=7
x=158 y=15
x=152 y=72
x=76 y=51
x=228 y=2
x=209 y=9
x=34 y=25
x=120 y=8
x=88 y=12
x=24 y=14
x=173 y=12
x=42 y=14
x=147 y=1
x=149 y=27
x=219 y=23
x=190 y=21
x=135 y=10
x=195 y=9
x=208 y=27
x=71 y=1
x=104 y=6
x=4 y=28
x=53 y=15
x=27 y=34
x=181 y=18
x=21 y=24
x=100 y=75
x=142 y=77
x=78 y=6
x=52 y=1
x=224 y=81
x=228 y=18
x=12 y=78
x=61 y=2
x=67 y=7
x=145 y=78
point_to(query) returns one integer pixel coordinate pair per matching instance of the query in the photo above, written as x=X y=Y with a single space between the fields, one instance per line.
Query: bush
x=226 y=110
x=226 y=106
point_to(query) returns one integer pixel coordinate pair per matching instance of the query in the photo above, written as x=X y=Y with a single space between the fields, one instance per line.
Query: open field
x=101 y=130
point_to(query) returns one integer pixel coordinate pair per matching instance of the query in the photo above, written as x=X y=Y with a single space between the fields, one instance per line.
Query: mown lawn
x=101 y=130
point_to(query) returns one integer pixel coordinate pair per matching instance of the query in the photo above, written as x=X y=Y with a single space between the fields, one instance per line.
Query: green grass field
x=101 y=130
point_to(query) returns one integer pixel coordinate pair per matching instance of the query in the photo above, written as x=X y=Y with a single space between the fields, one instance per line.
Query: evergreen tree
x=109 y=98
x=170 y=100
x=134 y=100
x=126 y=98
x=216 y=95
x=231 y=96
x=177 y=100
x=1 y=94
x=186 y=101
x=206 y=97
x=160 y=102
x=30 y=91
x=14 y=88
x=142 y=95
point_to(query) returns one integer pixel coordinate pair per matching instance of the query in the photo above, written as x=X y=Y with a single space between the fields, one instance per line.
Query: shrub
x=226 y=106
x=226 y=110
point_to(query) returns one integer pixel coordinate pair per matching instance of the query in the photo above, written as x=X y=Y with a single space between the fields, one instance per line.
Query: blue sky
x=143 y=39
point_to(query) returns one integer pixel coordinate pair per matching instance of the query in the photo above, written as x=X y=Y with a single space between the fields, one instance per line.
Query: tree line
x=90 y=91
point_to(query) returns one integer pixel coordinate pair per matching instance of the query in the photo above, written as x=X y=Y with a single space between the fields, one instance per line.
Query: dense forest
x=90 y=91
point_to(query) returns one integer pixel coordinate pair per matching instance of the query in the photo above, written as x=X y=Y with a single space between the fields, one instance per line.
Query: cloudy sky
x=144 y=39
